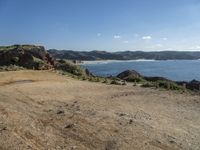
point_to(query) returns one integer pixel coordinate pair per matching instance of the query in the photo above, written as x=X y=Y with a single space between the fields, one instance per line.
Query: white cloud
x=146 y=37
x=125 y=42
x=117 y=36
x=98 y=34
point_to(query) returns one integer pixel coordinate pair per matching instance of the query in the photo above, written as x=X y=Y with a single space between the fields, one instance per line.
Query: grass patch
x=136 y=79
x=7 y=48
x=11 y=68
x=164 y=85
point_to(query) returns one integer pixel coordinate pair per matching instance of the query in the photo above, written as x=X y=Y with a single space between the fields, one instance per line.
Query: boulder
x=129 y=74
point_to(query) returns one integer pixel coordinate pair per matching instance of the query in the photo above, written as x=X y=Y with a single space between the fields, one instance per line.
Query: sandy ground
x=43 y=110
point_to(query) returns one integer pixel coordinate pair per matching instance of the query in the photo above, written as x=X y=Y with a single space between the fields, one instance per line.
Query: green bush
x=135 y=79
x=71 y=68
x=149 y=84
x=170 y=85
x=164 y=84
x=11 y=68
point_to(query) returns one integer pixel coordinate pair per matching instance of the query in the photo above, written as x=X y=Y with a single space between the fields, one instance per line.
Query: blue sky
x=111 y=25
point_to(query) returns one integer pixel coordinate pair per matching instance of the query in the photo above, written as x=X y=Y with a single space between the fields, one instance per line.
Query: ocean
x=177 y=70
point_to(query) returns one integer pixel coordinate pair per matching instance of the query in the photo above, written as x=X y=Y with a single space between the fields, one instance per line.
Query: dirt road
x=42 y=110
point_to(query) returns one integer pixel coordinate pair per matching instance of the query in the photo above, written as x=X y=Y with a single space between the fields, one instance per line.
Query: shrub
x=149 y=84
x=115 y=82
x=70 y=68
x=170 y=85
x=164 y=84
x=135 y=79
x=105 y=81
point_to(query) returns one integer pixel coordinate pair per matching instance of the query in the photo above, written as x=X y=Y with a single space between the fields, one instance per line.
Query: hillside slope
x=42 y=110
x=124 y=55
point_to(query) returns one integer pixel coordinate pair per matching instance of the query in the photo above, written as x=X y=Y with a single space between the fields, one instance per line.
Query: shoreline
x=109 y=61
x=135 y=60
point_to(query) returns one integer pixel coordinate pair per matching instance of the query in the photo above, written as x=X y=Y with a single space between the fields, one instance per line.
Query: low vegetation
x=136 y=80
x=164 y=85
x=115 y=82
x=75 y=71
x=11 y=68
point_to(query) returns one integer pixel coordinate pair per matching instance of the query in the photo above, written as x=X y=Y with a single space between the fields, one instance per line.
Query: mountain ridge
x=124 y=55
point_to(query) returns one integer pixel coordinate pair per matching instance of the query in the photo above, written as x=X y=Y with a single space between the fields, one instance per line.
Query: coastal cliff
x=27 y=56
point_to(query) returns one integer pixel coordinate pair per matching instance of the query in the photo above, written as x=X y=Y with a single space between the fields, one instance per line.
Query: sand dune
x=43 y=110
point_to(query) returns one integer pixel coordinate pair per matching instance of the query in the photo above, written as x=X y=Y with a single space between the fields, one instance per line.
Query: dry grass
x=44 y=110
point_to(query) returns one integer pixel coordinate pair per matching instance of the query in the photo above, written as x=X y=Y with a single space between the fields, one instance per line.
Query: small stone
x=172 y=142
x=60 y=112
x=130 y=121
x=3 y=128
x=122 y=114
x=73 y=147
x=67 y=126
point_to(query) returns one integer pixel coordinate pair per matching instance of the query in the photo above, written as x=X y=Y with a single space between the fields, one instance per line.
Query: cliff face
x=27 y=56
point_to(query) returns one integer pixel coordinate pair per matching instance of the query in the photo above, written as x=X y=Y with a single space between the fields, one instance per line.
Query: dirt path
x=42 y=110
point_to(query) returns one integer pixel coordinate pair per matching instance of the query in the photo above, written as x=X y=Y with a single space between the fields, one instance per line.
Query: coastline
x=135 y=60
x=177 y=70
x=110 y=61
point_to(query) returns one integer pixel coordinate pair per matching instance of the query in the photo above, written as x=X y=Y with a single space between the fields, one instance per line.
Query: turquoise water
x=178 y=70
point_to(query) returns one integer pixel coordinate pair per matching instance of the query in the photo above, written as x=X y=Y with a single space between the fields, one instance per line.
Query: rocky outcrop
x=36 y=58
x=154 y=79
x=128 y=74
x=132 y=75
x=27 y=56
x=192 y=85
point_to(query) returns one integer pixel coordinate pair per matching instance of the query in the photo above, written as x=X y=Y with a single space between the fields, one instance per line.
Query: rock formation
x=27 y=56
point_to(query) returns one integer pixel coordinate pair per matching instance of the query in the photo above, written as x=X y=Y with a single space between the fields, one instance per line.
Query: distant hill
x=124 y=55
x=83 y=55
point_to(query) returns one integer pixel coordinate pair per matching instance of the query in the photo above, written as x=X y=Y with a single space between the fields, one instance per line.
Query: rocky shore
x=132 y=75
